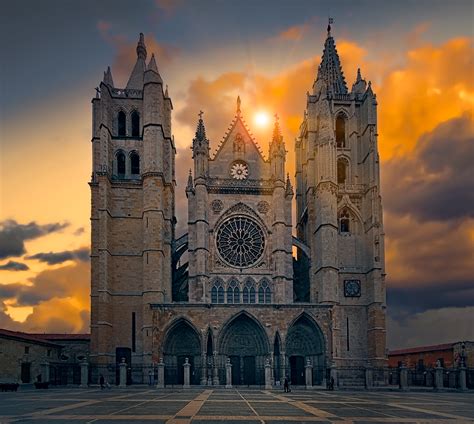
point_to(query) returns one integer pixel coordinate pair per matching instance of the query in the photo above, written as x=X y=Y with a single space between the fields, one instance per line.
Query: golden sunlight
x=262 y=119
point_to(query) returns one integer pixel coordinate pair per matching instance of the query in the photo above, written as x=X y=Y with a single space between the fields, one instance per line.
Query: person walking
x=286 y=385
x=101 y=382
x=150 y=378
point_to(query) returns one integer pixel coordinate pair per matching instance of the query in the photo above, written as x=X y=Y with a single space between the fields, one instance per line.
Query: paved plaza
x=233 y=406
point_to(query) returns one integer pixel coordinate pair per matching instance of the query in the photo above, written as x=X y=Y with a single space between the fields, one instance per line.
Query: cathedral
x=242 y=289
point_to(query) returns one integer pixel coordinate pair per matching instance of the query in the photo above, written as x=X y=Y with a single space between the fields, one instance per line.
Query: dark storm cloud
x=54 y=258
x=419 y=299
x=14 y=235
x=14 y=266
x=436 y=183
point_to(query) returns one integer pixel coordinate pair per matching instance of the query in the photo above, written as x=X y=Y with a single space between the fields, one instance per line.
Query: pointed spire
x=238 y=106
x=359 y=86
x=136 y=78
x=108 y=77
x=166 y=91
x=190 y=185
x=277 y=137
x=330 y=70
x=200 y=130
x=152 y=64
x=141 y=48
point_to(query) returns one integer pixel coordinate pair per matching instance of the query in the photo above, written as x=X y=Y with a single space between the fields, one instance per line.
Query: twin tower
x=242 y=285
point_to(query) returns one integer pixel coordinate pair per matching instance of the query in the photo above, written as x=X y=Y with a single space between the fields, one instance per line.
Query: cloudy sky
x=418 y=55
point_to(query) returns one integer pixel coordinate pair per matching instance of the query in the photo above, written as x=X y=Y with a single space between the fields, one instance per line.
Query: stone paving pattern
x=233 y=406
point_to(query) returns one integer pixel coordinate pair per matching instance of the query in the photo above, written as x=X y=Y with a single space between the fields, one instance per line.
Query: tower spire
x=108 y=77
x=330 y=70
x=238 y=106
x=136 y=78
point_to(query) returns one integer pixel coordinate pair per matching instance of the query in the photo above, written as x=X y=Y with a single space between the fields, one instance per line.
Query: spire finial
x=330 y=21
x=358 y=75
x=200 y=114
x=238 y=105
x=141 y=48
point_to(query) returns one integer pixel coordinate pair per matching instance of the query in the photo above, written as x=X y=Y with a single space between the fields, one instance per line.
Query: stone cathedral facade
x=242 y=285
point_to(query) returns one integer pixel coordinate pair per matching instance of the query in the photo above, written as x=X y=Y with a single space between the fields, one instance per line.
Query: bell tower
x=132 y=213
x=339 y=210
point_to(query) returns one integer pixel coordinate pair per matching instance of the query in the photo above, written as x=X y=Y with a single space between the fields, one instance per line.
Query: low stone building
x=449 y=355
x=26 y=358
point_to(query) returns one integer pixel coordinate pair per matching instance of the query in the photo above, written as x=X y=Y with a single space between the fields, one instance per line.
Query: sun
x=262 y=119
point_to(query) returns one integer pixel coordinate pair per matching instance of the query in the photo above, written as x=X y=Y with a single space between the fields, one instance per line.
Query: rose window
x=239 y=171
x=240 y=242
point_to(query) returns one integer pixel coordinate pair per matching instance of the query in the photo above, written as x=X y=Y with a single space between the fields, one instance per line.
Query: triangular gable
x=238 y=126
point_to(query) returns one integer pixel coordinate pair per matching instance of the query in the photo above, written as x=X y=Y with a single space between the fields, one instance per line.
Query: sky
x=418 y=55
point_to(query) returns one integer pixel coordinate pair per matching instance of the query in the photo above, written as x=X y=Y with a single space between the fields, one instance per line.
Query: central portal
x=245 y=343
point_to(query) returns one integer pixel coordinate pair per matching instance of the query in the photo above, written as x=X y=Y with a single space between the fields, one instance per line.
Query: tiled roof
x=25 y=337
x=445 y=346
x=59 y=336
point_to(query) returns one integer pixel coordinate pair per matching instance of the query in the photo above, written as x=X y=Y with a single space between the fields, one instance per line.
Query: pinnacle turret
x=360 y=85
x=108 y=77
x=289 y=187
x=141 y=48
x=330 y=70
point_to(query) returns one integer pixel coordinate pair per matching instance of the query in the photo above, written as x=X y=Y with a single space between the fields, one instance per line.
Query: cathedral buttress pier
x=227 y=303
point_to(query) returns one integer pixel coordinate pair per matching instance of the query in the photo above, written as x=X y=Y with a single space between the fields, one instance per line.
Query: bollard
x=308 y=374
x=187 y=375
x=84 y=374
x=123 y=373
x=228 y=374
x=160 y=384
x=268 y=375
x=403 y=377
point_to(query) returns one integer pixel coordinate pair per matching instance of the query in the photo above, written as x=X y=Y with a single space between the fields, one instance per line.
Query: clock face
x=352 y=288
x=239 y=171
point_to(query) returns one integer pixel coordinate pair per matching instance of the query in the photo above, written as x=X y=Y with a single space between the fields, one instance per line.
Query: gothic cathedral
x=241 y=290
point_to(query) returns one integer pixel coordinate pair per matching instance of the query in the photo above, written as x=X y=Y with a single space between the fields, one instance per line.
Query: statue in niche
x=239 y=144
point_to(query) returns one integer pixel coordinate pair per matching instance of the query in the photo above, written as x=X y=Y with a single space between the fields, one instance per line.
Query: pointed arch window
x=135 y=124
x=134 y=163
x=248 y=293
x=217 y=293
x=122 y=123
x=344 y=222
x=121 y=169
x=341 y=131
x=264 y=292
x=342 y=168
x=233 y=292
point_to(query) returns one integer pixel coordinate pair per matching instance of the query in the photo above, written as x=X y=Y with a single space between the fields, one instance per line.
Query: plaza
x=246 y=406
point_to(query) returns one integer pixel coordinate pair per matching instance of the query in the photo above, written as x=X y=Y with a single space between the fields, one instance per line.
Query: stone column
x=204 y=369
x=283 y=372
x=160 y=384
x=403 y=377
x=333 y=373
x=369 y=377
x=45 y=371
x=215 y=370
x=308 y=374
x=84 y=374
x=123 y=373
x=228 y=374
x=187 y=374
x=268 y=375
x=438 y=377
x=462 y=377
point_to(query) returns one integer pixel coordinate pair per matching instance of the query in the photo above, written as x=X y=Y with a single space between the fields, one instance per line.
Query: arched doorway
x=244 y=341
x=182 y=341
x=305 y=341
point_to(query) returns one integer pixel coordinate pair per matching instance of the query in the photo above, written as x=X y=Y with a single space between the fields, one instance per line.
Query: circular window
x=240 y=242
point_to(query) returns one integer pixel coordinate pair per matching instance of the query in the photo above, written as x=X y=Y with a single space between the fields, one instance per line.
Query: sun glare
x=262 y=119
